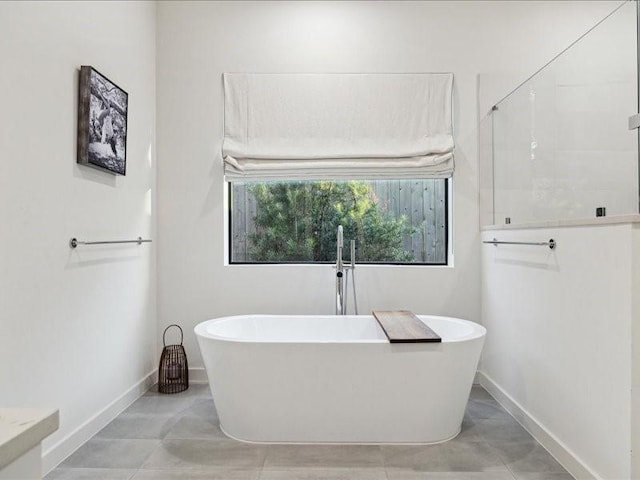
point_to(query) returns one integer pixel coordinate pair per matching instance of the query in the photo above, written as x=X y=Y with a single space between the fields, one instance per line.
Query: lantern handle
x=164 y=342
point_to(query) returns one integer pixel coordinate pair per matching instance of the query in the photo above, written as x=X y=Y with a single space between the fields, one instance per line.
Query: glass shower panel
x=561 y=143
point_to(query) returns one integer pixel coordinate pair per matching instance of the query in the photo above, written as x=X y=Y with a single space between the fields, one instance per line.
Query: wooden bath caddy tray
x=402 y=326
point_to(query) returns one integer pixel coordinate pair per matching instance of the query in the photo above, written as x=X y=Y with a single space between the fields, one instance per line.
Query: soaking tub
x=337 y=379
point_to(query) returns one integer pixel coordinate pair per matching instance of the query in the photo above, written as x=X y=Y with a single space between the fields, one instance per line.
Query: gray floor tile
x=323 y=456
x=110 y=453
x=528 y=456
x=491 y=446
x=481 y=409
x=443 y=457
x=192 y=453
x=201 y=390
x=189 y=426
x=324 y=474
x=503 y=430
x=90 y=474
x=211 y=473
x=202 y=407
x=161 y=404
x=132 y=425
x=194 y=390
x=470 y=432
x=543 y=476
x=406 y=475
x=479 y=393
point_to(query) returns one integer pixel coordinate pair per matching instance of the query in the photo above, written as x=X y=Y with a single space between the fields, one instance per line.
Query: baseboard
x=53 y=456
x=198 y=375
x=568 y=459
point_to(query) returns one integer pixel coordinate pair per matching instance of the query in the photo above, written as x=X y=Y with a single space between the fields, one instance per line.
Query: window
x=392 y=221
x=294 y=142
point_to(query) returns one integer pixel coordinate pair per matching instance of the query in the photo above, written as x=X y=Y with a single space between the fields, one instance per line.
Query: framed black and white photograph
x=102 y=122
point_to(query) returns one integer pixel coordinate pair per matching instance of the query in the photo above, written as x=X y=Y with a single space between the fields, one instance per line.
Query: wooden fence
x=421 y=201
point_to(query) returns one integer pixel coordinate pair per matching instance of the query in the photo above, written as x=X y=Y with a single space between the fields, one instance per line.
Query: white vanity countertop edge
x=21 y=429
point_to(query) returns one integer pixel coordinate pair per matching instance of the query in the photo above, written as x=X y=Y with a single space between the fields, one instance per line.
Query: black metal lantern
x=173 y=372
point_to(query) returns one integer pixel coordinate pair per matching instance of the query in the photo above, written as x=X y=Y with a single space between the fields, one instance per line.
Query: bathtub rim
x=479 y=331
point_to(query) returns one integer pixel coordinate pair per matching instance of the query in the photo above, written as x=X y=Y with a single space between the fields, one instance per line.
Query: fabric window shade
x=337 y=126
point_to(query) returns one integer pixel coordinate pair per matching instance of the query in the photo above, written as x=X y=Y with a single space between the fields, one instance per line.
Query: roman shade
x=337 y=126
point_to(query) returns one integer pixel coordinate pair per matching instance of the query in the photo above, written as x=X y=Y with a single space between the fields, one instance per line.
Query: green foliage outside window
x=298 y=221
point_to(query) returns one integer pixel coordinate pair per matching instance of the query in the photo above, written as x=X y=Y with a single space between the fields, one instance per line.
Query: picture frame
x=102 y=122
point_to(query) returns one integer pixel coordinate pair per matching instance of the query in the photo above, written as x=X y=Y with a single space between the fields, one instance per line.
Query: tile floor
x=176 y=437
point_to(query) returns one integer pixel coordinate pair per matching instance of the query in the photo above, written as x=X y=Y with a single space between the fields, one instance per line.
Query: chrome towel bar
x=551 y=243
x=74 y=242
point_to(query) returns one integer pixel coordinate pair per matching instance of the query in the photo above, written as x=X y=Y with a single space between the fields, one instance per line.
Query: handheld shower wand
x=353 y=276
x=339 y=273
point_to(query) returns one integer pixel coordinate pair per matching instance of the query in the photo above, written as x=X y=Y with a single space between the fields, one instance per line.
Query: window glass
x=392 y=221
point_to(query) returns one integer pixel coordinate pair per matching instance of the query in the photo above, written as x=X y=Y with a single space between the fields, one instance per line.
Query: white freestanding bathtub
x=337 y=379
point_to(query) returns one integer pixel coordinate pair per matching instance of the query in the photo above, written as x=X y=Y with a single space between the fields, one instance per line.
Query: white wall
x=77 y=327
x=635 y=356
x=198 y=41
x=558 y=347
